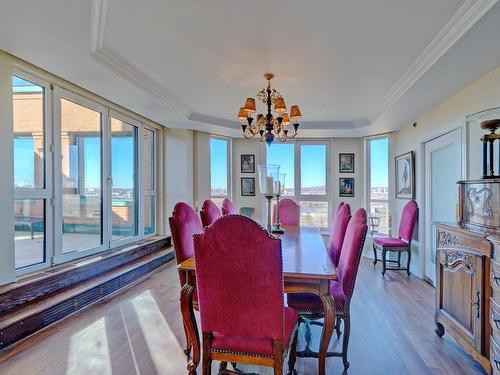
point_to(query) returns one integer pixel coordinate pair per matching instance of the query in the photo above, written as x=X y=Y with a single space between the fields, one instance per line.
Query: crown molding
x=120 y=67
x=467 y=15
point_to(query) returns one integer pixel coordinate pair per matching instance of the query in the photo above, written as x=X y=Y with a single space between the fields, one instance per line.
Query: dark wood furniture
x=306 y=269
x=468 y=272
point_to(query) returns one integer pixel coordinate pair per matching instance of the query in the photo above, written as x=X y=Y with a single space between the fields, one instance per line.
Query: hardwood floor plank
x=140 y=332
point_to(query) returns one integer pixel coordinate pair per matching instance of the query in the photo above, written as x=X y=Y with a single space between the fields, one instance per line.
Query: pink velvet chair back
x=239 y=276
x=228 y=207
x=350 y=254
x=289 y=212
x=184 y=223
x=339 y=226
x=408 y=219
x=337 y=209
x=209 y=213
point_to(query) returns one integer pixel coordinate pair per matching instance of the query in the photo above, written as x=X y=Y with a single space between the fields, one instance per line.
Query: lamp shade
x=250 y=105
x=242 y=114
x=295 y=112
x=279 y=105
x=286 y=119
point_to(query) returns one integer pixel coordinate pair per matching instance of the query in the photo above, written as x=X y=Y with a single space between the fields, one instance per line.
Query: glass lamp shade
x=268 y=174
x=250 y=105
x=295 y=112
x=279 y=105
x=280 y=182
x=242 y=114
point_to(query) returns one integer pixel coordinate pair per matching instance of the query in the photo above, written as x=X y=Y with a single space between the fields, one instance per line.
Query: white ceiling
x=355 y=68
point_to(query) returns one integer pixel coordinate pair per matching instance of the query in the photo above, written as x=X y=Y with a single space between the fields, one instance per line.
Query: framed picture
x=247 y=163
x=247 y=186
x=346 y=163
x=346 y=187
x=405 y=176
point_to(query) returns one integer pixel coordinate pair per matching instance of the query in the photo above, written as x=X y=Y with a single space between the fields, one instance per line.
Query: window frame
x=46 y=192
x=368 y=184
x=137 y=178
x=149 y=192
x=228 y=166
x=60 y=257
x=298 y=196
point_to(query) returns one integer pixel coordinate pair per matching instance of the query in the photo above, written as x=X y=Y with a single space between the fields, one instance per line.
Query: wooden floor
x=139 y=332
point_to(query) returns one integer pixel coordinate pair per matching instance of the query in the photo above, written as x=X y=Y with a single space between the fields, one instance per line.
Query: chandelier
x=267 y=126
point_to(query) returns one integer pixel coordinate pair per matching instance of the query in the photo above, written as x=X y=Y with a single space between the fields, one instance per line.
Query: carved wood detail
x=447 y=239
x=479 y=203
x=457 y=259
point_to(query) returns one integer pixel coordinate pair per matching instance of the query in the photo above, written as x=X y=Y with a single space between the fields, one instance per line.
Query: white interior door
x=443 y=168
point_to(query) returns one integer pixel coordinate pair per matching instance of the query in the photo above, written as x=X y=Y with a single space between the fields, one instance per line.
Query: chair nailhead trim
x=226 y=351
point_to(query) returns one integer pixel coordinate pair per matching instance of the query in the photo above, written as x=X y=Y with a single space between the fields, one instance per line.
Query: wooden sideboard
x=463 y=288
x=495 y=305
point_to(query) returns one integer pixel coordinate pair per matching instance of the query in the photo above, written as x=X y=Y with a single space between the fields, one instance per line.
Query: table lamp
x=280 y=188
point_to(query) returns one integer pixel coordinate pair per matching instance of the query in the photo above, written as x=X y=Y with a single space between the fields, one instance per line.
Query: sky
x=379 y=162
x=218 y=163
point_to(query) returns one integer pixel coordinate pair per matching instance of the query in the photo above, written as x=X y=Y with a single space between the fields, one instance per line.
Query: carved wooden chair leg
x=292 y=357
x=187 y=348
x=222 y=368
x=206 y=359
x=277 y=357
x=408 y=264
x=399 y=259
x=374 y=254
x=345 y=343
x=338 y=320
x=384 y=258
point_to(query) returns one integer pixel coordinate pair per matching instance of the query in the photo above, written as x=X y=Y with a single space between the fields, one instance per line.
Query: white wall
x=479 y=96
x=247 y=146
x=178 y=162
x=202 y=184
x=6 y=172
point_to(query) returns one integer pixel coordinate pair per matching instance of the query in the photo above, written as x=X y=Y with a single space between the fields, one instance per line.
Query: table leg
x=329 y=320
x=190 y=326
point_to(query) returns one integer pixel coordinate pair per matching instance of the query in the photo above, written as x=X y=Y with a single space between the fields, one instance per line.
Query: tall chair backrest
x=408 y=219
x=337 y=234
x=337 y=209
x=289 y=212
x=209 y=213
x=228 y=207
x=350 y=254
x=184 y=223
x=244 y=296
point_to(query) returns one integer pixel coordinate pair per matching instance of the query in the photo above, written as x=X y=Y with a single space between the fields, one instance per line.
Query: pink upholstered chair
x=243 y=316
x=341 y=218
x=289 y=212
x=228 y=207
x=184 y=223
x=400 y=244
x=310 y=307
x=209 y=213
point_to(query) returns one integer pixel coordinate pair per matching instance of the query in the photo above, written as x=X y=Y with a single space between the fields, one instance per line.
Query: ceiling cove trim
x=466 y=17
x=120 y=67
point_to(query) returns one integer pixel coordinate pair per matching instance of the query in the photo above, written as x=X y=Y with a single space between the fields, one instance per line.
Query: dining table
x=307 y=268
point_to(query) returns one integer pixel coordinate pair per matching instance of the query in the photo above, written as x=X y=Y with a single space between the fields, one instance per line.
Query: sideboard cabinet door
x=461 y=294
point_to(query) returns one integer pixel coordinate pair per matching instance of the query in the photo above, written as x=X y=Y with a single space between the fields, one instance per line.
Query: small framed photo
x=405 y=176
x=247 y=186
x=346 y=187
x=247 y=163
x=346 y=163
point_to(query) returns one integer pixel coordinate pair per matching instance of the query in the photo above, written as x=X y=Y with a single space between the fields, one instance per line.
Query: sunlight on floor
x=157 y=333
x=89 y=351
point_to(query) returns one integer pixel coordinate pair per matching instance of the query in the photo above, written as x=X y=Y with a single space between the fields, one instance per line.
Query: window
x=219 y=169
x=81 y=140
x=378 y=184
x=149 y=181
x=305 y=165
x=100 y=190
x=123 y=174
x=32 y=189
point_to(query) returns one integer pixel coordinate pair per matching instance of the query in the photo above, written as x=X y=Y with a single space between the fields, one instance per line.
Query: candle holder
x=280 y=182
x=490 y=138
x=267 y=174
